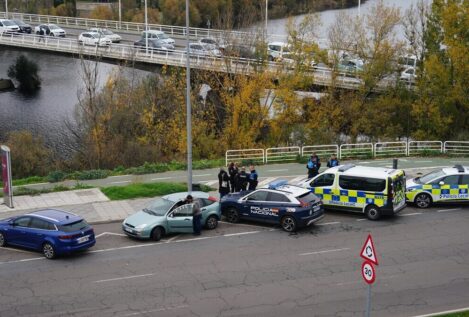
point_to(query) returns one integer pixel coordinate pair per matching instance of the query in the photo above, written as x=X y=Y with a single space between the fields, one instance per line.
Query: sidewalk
x=90 y=204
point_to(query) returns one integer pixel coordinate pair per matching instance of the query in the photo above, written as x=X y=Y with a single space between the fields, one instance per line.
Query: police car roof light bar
x=346 y=167
x=276 y=184
x=459 y=167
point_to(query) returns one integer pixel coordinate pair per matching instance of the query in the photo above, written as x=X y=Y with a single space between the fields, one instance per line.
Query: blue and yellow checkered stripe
x=438 y=190
x=360 y=198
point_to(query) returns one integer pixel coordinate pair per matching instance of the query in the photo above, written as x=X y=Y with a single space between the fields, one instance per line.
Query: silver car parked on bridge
x=50 y=29
x=8 y=27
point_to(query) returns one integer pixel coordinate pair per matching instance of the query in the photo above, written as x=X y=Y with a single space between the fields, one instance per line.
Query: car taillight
x=68 y=237
x=305 y=204
x=211 y=198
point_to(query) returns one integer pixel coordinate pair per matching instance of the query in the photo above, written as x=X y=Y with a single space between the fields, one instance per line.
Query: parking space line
x=239 y=233
x=323 y=251
x=446 y=210
x=412 y=214
x=328 y=223
x=123 y=278
x=111 y=234
x=173 y=238
x=242 y=224
x=361 y=219
x=23 y=260
x=121 y=182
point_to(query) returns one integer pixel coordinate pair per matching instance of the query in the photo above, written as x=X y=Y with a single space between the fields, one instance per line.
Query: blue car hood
x=142 y=217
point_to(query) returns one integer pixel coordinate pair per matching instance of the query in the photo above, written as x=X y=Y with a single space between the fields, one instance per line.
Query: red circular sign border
x=374 y=272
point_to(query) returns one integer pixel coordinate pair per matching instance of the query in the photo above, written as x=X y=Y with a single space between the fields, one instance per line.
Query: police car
x=290 y=206
x=443 y=185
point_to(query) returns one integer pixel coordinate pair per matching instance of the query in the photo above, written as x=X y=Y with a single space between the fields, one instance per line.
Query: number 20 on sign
x=368 y=272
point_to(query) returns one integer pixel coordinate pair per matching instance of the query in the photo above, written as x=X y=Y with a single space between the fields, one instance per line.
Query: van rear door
x=396 y=190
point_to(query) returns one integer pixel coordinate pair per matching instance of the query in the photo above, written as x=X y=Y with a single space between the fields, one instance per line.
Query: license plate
x=129 y=230
x=316 y=208
x=83 y=239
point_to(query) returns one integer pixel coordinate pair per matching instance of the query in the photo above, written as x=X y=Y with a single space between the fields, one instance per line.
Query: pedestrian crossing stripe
x=267 y=181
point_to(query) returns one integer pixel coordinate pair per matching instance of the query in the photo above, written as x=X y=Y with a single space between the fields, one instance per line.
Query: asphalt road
x=252 y=270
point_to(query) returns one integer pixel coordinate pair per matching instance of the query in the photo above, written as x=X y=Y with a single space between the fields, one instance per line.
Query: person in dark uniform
x=333 y=161
x=223 y=182
x=233 y=172
x=312 y=166
x=253 y=176
x=196 y=215
x=242 y=180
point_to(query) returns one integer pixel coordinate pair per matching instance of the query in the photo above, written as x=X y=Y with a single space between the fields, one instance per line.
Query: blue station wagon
x=54 y=232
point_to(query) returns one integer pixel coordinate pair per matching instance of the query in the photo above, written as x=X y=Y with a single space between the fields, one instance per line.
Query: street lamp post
x=6 y=8
x=266 y=15
x=188 y=105
x=146 y=28
x=120 y=14
x=359 y=5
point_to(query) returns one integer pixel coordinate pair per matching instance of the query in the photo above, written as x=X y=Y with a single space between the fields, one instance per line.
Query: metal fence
x=254 y=155
x=456 y=147
x=278 y=154
x=356 y=150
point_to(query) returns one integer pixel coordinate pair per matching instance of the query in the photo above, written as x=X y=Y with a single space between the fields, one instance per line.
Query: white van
x=374 y=191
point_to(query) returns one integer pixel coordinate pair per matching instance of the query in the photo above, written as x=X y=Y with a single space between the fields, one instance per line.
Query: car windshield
x=8 y=23
x=163 y=36
x=18 y=22
x=53 y=27
x=307 y=198
x=107 y=32
x=158 y=207
x=74 y=226
x=430 y=176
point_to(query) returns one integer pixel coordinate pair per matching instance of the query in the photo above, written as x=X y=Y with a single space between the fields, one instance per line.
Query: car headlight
x=140 y=227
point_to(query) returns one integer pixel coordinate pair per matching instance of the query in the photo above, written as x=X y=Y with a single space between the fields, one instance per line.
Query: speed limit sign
x=368 y=272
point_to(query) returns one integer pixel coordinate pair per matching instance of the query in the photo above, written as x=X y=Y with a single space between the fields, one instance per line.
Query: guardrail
x=173 y=30
x=356 y=150
x=364 y=150
x=382 y=149
x=324 y=150
x=456 y=147
x=289 y=153
x=254 y=155
x=422 y=147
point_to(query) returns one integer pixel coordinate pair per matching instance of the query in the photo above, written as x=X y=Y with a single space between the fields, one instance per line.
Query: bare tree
x=415 y=25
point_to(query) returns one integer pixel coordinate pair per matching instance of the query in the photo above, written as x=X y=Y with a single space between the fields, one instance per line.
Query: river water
x=44 y=113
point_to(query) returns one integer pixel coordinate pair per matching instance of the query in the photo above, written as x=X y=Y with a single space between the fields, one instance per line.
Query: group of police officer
x=314 y=164
x=236 y=179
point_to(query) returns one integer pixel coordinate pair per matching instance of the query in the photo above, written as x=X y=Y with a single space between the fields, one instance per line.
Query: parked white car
x=204 y=50
x=218 y=43
x=50 y=29
x=408 y=75
x=115 y=38
x=158 y=35
x=277 y=50
x=8 y=27
x=93 y=38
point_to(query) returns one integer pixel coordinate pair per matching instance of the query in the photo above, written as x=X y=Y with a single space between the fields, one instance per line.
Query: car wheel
x=372 y=212
x=423 y=200
x=232 y=215
x=48 y=251
x=211 y=223
x=288 y=224
x=3 y=242
x=157 y=233
x=52 y=34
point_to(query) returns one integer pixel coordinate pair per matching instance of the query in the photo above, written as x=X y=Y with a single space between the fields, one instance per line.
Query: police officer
x=223 y=182
x=313 y=166
x=233 y=172
x=242 y=180
x=196 y=215
x=333 y=161
x=253 y=176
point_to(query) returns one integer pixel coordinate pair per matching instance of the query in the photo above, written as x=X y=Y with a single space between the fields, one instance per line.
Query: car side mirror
x=441 y=183
x=171 y=215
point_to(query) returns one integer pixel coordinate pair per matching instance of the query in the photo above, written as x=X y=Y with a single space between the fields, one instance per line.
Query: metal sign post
x=6 y=176
x=368 y=271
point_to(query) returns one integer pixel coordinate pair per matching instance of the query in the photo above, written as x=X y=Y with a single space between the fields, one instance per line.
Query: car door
x=253 y=205
x=18 y=231
x=37 y=231
x=447 y=188
x=322 y=185
x=180 y=219
x=276 y=206
x=464 y=188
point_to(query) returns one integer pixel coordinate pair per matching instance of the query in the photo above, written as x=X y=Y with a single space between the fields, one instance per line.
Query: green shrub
x=91 y=174
x=29 y=180
x=56 y=176
x=119 y=170
x=142 y=190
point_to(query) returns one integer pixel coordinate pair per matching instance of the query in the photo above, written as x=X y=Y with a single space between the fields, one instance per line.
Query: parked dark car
x=24 y=27
x=51 y=231
x=155 y=45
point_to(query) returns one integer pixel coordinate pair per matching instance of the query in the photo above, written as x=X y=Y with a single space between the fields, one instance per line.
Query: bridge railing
x=173 y=30
x=320 y=150
x=424 y=147
x=456 y=147
x=254 y=155
x=382 y=149
x=280 y=154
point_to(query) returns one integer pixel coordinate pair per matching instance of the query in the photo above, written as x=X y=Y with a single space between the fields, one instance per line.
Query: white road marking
x=297 y=179
x=24 y=260
x=202 y=175
x=123 y=278
x=173 y=238
x=445 y=210
x=445 y=312
x=324 y=251
x=364 y=162
x=160 y=178
x=328 y=223
x=210 y=183
x=266 y=181
x=412 y=214
x=362 y=219
x=241 y=224
x=111 y=234
x=280 y=170
x=121 y=182
x=155 y=310
x=239 y=233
